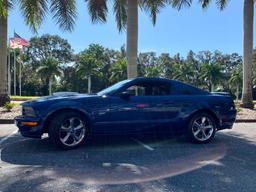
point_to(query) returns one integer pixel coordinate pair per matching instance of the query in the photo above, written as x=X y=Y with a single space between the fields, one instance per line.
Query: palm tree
x=63 y=11
x=49 y=70
x=87 y=65
x=254 y=75
x=247 y=100
x=236 y=79
x=118 y=70
x=3 y=60
x=212 y=74
x=153 y=71
x=184 y=71
x=126 y=14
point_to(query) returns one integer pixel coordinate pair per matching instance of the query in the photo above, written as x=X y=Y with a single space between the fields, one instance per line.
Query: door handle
x=140 y=105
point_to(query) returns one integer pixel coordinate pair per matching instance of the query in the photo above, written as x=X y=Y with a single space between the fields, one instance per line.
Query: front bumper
x=29 y=130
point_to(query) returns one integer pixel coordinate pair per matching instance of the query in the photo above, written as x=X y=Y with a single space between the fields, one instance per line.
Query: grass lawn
x=23 y=98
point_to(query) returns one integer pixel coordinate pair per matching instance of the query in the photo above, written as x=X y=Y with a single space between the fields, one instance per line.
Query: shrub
x=8 y=106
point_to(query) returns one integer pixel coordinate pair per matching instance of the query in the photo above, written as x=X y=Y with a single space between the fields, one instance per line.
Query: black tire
x=200 y=134
x=61 y=125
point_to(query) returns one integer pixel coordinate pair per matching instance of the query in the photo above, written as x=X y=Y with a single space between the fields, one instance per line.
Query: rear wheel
x=68 y=130
x=201 y=128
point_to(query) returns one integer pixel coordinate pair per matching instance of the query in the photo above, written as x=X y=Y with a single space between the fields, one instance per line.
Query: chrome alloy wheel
x=72 y=131
x=202 y=128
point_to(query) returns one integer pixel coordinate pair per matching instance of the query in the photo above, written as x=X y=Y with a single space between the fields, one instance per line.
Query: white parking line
x=143 y=144
x=8 y=136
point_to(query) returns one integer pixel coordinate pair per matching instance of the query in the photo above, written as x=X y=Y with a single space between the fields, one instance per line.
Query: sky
x=175 y=31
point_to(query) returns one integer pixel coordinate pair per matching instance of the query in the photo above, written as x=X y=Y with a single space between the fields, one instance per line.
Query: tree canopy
x=205 y=69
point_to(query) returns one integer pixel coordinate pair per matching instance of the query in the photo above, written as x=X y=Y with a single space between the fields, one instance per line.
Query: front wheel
x=201 y=128
x=68 y=130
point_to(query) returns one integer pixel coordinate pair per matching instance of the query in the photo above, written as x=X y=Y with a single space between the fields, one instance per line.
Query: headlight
x=28 y=111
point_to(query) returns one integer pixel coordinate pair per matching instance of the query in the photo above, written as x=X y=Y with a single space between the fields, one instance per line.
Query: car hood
x=59 y=96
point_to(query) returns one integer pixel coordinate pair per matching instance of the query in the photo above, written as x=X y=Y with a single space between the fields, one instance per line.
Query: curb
x=6 y=121
x=245 y=121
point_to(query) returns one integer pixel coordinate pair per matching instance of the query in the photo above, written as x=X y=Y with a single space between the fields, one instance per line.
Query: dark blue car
x=135 y=105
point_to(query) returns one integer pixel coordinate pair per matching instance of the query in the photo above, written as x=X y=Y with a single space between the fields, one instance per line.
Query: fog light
x=29 y=123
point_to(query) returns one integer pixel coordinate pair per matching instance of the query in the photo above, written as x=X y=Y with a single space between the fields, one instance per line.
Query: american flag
x=18 y=42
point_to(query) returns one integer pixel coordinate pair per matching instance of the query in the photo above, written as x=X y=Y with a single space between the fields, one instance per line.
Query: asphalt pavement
x=148 y=163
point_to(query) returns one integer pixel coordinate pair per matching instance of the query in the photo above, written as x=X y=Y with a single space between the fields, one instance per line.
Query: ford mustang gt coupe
x=130 y=106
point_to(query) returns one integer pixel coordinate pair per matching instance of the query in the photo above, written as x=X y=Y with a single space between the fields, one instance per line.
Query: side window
x=149 y=89
x=160 y=89
x=136 y=90
x=183 y=89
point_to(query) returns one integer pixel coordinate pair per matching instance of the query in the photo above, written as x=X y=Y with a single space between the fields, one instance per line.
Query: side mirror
x=125 y=95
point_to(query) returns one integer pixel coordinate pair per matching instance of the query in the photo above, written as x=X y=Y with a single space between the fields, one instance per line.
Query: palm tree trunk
x=89 y=84
x=50 y=86
x=212 y=87
x=237 y=92
x=247 y=100
x=3 y=61
x=132 y=38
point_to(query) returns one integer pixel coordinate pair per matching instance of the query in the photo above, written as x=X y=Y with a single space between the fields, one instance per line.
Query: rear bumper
x=227 y=120
x=27 y=130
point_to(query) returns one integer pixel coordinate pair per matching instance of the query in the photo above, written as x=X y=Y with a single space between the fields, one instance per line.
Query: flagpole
x=18 y=42
x=9 y=71
x=20 y=78
x=20 y=72
x=14 y=72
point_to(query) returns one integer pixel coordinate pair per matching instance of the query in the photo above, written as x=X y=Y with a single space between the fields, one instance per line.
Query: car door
x=126 y=114
x=164 y=109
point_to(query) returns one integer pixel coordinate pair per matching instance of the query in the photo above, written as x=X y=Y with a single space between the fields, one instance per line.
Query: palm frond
x=120 y=11
x=4 y=6
x=49 y=68
x=221 y=4
x=179 y=4
x=64 y=12
x=98 y=10
x=204 y=3
x=153 y=7
x=34 y=12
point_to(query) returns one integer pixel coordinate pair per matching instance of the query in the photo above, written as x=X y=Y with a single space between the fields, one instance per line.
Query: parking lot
x=130 y=163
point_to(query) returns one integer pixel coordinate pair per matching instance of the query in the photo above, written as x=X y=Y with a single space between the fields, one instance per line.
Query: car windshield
x=113 y=88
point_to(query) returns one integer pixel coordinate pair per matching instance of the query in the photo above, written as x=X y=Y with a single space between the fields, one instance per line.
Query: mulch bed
x=246 y=114
x=10 y=115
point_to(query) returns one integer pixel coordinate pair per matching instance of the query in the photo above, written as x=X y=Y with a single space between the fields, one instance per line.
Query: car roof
x=159 y=79
x=152 y=79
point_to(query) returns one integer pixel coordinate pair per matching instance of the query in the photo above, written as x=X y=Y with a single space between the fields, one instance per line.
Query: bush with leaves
x=9 y=106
